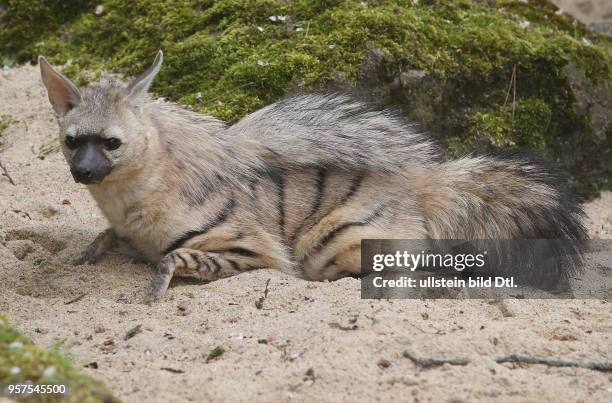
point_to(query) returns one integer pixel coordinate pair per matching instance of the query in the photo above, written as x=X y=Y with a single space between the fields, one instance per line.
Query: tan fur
x=296 y=186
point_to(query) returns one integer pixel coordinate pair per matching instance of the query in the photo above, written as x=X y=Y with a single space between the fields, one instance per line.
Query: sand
x=308 y=341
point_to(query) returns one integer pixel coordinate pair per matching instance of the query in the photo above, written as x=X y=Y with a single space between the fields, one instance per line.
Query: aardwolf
x=294 y=186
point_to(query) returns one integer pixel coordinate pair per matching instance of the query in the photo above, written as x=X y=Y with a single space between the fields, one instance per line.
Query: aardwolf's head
x=101 y=127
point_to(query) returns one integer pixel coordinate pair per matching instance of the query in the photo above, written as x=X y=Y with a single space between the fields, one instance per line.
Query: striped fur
x=294 y=186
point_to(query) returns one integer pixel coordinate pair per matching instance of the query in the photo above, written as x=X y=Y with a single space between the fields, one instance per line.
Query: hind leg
x=337 y=253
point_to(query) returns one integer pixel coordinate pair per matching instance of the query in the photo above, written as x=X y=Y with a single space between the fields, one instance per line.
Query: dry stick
x=6 y=173
x=556 y=362
x=336 y=325
x=133 y=332
x=77 y=299
x=260 y=301
x=510 y=85
x=426 y=362
x=173 y=370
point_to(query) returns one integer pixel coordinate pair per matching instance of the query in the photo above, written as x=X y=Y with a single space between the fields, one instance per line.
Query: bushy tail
x=506 y=197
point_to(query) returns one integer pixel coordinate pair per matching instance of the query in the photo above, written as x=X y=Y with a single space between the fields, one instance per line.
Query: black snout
x=89 y=164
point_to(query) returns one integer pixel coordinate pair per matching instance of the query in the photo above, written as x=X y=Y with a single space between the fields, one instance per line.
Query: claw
x=161 y=281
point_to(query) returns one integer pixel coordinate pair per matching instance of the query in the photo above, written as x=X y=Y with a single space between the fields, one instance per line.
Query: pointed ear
x=63 y=94
x=141 y=84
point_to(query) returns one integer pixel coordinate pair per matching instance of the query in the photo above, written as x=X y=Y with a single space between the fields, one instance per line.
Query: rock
x=593 y=100
x=411 y=76
x=372 y=66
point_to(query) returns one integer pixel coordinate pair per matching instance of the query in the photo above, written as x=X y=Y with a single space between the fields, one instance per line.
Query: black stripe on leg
x=234 y=264
x=182 y=259
x=343 y=227
x=238 y=251
x=219 y=219
x=216 y=264
x=335 y=232
x=199 y=261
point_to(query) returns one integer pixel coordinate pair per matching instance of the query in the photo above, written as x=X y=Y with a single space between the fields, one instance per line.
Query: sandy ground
x=309 y=341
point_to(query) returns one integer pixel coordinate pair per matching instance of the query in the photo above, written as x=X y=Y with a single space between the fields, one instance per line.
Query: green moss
x=5 y=122
x=22 y=362
x=509 y=125
x=228 y=58
x=23 y=22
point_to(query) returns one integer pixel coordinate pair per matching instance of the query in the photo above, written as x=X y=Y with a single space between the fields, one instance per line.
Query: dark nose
x=89 y=165
x=83 y=172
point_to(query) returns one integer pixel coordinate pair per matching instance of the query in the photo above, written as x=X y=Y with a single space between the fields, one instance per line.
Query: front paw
x=102 y=244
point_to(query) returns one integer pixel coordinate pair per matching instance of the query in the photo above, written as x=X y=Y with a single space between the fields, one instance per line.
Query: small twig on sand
x=173 y=370
x=260 y=301
x=556 y=362
x=6 y=173
x=133 y=332
x=76 y=299
x=427 y=362
x=336 y=325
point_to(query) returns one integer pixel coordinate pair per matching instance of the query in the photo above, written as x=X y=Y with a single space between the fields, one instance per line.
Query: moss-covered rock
x=480 y=75
x=21 y=362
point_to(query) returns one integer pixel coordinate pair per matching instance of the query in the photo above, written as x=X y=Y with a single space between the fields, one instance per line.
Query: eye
x=70 y=142
x=112 y=143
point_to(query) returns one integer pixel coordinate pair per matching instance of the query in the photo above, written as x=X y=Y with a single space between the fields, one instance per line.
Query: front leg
x=210 y=266
x=105 y=241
